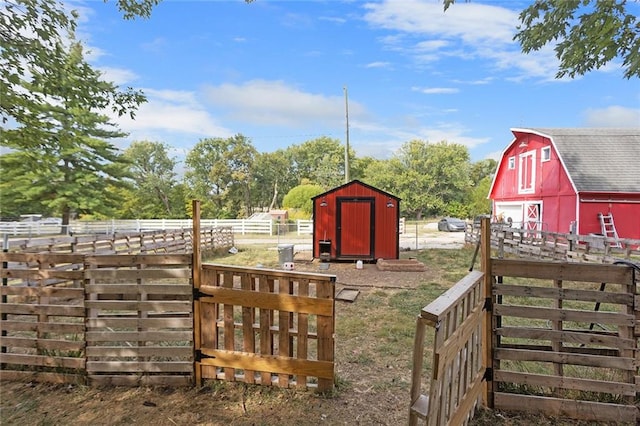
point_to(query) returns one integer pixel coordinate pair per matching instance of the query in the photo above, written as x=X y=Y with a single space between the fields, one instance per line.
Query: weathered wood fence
x=129 y=320
x=265 y=326
x=554 y=246
x=172 y=241
x=558 y=338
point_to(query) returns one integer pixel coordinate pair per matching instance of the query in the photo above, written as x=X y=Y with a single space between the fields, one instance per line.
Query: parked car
x=451 y=224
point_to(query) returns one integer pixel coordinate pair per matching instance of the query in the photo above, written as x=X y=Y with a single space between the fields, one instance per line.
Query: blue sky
x=275 y=71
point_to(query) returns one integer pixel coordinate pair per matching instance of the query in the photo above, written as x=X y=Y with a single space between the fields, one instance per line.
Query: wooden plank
x=151 y=305
x=284 y=319
x=44 y=258
x=35 y=309
x=135 y=274
x=39 y=274
x=598 y=273
x=135 y=336
x=140 y=351
x=266 y=337
x=582 y=337
x=273 y=363
x=174 y=323
x=42 y=360
x=177 y=289
x=574 y=383
x=139 y=259
x=326 y=329
x=74 y=293
x=272 y=273
x=565 y=358
x=46 y=327
x=276 y=302
x=139 y=367
x=445 y=302
x=563 y=294
x=228 y=317
x=558 y=407
x=248 y=319
x=302 y=335
x=37 y=343
x=565 y=315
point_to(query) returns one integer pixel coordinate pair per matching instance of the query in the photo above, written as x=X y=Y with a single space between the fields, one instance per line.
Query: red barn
x=356 y=221
x=560 y=180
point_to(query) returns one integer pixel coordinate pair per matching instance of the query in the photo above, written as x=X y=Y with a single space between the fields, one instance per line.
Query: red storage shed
x=356 y=221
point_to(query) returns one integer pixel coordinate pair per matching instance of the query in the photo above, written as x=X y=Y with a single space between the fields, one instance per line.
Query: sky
x=285 y=72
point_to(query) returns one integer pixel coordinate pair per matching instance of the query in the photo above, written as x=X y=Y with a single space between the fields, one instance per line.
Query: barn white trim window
x=545 y=154
x=527 y=173
x=512 y=163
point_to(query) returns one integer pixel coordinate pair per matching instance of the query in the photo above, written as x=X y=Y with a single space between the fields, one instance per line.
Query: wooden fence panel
x=565 y=342
x=554 y=246
x=457 y=369
x=271 y=327
x=139 y=319
x=42 y=317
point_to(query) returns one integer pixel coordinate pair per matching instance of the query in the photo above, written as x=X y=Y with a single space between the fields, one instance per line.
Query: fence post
x=487 y=329
x=196 y=275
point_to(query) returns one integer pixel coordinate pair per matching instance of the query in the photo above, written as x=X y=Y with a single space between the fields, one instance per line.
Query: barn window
x=512 y=163
x=527 y=173
x=546 y=154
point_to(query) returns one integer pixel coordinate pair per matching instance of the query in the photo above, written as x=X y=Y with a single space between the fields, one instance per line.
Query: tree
x=220 y=173
x=300 y=197
x=589 y=34
x=320 y=160
x=427 y=177
x=59 y=154
x=273 y=178
x=153 y=176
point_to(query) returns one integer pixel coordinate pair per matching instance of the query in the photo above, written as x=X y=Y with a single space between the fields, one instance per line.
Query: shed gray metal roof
x=599 y=159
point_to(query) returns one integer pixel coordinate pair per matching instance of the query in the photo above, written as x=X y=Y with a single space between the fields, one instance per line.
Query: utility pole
x=346 y=147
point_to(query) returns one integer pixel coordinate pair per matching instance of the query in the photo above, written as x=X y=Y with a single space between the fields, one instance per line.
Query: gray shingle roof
x=599 y=159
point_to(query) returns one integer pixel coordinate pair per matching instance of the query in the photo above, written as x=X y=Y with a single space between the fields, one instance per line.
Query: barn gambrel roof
x=597 y=159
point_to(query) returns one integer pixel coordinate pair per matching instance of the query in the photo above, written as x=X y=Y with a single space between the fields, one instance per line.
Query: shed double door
x=355 y=230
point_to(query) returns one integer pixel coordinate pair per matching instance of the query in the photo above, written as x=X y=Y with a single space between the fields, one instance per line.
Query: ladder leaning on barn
x=608 y=228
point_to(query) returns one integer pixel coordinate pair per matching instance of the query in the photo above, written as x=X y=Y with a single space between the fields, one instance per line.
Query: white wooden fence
x=240 y=226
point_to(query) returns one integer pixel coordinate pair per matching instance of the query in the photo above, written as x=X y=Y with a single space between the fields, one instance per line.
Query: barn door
x=355 y=221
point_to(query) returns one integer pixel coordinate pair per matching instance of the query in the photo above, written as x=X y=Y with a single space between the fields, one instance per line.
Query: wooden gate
x=264 y=326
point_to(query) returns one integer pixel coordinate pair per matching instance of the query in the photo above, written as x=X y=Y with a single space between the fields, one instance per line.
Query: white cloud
x=275 y=103
x=118 y=76
x=612 y=116
x=173 y=112
x=436 y=90
x=378 y=64
x=465 y=30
